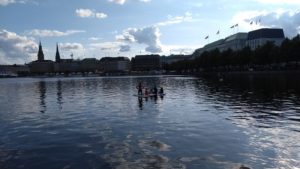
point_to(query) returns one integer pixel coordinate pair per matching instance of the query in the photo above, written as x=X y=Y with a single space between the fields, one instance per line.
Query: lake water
x=87 y=123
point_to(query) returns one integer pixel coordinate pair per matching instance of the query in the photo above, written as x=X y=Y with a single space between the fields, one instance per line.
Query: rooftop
x=266 y=33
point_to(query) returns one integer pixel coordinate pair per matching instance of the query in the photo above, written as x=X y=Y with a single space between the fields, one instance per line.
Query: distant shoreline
x=208 y=73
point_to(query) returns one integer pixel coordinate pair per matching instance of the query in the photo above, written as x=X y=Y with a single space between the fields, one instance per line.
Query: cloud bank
x=149 y=36
x=280 y=2
x=52 y=33
x=15 y=48
x=187 y=17
x=71 y=46
x=288 y=20
x=6 y=2
x=125 y=48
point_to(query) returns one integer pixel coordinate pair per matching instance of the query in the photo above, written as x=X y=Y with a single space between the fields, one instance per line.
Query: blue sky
x=99 y=28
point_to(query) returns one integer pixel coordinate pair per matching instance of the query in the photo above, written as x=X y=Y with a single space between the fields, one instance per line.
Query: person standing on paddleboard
x=140 y=88
x=154 y=90
x=161 y=91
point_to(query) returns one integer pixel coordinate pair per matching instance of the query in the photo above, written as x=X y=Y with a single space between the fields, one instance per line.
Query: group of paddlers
x=142 y=90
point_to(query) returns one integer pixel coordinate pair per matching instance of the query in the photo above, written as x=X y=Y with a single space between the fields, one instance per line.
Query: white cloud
x=105 y=46
x=187 y=17
x=125 y=48
x=110 y=47
x=149 y=36
x=121 y=2
x=71 y=46
x=145 y=0
x=180 y=49
x=84 y=13
x=52 y=33
x=6 y=2
x=88 y=13
x=288 y=20
x=94 y=38
x=15 y=48
x=100 y=15
x=280 y=2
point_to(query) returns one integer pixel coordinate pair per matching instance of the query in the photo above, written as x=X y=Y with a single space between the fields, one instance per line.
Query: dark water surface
x=86 y=123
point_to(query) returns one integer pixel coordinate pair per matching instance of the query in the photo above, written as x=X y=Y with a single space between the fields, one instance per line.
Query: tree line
x=266 y=57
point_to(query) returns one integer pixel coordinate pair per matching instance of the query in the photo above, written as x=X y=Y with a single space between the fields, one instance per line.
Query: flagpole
x=218 y=33
x=232 y=28
x=207 y=38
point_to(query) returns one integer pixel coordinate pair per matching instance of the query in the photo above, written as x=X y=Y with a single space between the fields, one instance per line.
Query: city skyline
x=100 y=28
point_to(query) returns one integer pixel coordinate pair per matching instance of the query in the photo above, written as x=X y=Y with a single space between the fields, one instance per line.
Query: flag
x=218 y=32
x=236 y=25
x=206 y=37
x=251 y=22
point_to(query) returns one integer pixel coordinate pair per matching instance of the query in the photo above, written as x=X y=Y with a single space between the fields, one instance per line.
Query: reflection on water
x=42 y=91
x=141 y=100
x=205 y=122
x=59 y=93
x=269 y=99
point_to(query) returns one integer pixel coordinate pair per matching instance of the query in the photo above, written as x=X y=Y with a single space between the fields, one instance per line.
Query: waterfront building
x=168 y=60
x=238 y=41
x=13 y=70
x=235 y=42
x=90 y=65
x=41 y=66
x=115 y=64
x=40 y=53
x=67 y=66
x=57 y=55
x=146 y=63
x=262 y=36
x=173 y=58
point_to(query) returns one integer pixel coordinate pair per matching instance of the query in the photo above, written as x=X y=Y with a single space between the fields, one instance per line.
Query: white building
x=252 y=39
x=115 y=64
x=262 y=36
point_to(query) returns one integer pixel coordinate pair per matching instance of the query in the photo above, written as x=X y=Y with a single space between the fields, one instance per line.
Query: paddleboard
x=149 y=95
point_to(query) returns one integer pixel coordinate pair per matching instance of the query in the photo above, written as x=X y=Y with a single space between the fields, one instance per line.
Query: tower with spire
x=40 y=53
x=57 y=55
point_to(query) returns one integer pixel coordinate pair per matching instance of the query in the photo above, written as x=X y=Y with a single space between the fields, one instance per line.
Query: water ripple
x=79 y=123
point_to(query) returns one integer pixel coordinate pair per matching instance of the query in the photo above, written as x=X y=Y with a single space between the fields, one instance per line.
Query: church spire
x=57 y=56
x=40 y=52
